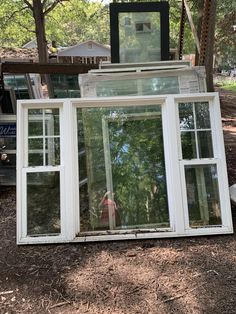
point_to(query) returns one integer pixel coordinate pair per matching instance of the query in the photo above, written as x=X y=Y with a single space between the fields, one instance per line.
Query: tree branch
x=8 y=18
x=25 y=27
x=16 y=11
x=53 y=5
x=29 y=5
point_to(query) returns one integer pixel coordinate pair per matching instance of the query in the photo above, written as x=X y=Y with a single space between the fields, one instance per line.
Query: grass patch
x=230 y=87
x=226 y=83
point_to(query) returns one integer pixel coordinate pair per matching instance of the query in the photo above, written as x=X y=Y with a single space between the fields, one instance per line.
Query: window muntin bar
x=43 y=137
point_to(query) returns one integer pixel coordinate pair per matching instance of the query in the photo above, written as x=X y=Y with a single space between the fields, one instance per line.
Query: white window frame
x=218 y=160
x=69 y=168
x=66 y=214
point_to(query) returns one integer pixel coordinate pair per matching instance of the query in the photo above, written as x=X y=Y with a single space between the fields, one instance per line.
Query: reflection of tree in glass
x=186 y=117
x=139 y=35
x=202 y=115
x=137 y=160
x=138 y=171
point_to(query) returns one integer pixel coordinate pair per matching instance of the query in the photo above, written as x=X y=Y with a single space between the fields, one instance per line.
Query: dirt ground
x=188 y=275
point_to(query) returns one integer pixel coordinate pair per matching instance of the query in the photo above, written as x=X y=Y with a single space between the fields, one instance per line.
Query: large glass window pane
x=203 y=195
x=139 y=36
x=137 y=87
x=43 y=203
x=125 y=169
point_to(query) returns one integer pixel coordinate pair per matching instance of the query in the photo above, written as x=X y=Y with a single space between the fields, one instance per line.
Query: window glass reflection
x=125 y=169
x=43 y=203
x=139 y=37
x=203 y=195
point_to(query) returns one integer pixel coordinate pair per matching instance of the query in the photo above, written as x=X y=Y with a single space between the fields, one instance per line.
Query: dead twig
x=59 y=304
x=178 y=296
x=6 y=292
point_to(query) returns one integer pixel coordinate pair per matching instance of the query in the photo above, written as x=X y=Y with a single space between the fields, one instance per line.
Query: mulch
x=185 y=275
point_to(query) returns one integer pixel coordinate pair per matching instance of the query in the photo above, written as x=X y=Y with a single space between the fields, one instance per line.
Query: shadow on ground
x=188 y=275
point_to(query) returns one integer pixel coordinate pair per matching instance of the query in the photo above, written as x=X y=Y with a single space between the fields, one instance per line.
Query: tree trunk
x=207 y=41
x=210 y=48
x=200 y=6
x=40 y=31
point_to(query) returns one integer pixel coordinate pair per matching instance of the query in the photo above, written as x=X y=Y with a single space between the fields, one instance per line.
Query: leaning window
x=200 y=166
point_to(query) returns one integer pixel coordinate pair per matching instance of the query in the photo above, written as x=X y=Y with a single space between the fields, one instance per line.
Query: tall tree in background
x=39 y=9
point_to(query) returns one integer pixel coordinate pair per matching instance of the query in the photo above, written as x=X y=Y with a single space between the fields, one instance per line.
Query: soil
x=184 y=275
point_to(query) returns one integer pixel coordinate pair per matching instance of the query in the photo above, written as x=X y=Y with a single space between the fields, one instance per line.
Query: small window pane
x=52 y=123
x=186 y=117
x=35 y=122
x=205 y=144
x=188 y=145
x=52 y=151
x=43 y=203
x=203 y=195
x=35 y=146
x=202 y=115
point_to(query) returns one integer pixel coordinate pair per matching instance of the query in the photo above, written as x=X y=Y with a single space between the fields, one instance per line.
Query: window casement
x=121 y=168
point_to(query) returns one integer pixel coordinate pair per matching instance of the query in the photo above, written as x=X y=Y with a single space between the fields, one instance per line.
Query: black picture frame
x=116 y=8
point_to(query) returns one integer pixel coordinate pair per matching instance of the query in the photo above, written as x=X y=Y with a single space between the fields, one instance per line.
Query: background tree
x=39 y=9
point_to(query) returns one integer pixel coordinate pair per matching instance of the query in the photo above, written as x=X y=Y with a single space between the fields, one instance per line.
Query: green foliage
x=68 y=23
x=75 y=21
x=225 y=42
